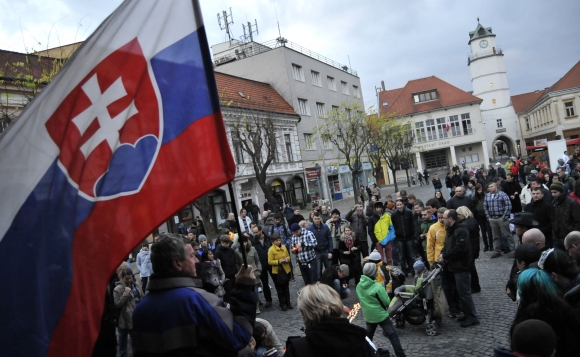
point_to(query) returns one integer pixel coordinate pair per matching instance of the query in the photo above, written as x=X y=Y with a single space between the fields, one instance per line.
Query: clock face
x=483 y=43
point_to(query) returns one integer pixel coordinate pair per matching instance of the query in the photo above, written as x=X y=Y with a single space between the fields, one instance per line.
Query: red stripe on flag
x=196 y=162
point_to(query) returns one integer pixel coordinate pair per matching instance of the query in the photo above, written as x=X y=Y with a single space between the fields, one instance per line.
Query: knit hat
x=370 y=270
x=295 y=227
x=557 y=186
x=378 y=204
x=375 y=256
x=335 y=211
x=201 y=238
x=343 y=269
x=533 y=338
x=419 y=266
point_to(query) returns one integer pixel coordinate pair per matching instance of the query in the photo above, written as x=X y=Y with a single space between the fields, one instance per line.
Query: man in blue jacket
x=323 y=247
x=177 y=318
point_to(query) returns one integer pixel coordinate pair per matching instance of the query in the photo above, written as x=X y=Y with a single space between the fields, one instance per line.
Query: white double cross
x=108 y=127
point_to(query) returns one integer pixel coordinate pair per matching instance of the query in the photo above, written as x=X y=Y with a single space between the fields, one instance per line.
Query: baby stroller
x=421 y=303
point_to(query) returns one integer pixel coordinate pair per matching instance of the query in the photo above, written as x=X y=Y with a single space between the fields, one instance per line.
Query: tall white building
x=312 y=84
x=490 y=83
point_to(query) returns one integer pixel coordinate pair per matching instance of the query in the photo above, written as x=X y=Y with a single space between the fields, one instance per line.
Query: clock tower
x=490 y=83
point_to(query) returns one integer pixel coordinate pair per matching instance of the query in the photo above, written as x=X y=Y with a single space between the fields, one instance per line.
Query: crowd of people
x=197 y=296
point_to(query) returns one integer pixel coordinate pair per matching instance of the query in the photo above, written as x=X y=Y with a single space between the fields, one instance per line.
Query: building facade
x=447 y=123
x=313 y=85
x=552 y=113
x=490 y=83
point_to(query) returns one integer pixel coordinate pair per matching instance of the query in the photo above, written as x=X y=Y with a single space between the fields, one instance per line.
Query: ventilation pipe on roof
x=383 y=85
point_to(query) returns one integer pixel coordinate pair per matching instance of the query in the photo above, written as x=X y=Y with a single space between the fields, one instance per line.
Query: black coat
x=457 y=252
x=330 y=275
x=437 y=184
x=565 y=217
x=227 y=257
x=373 y=219
x=295 y=219
x=403 y=224
x=455 y=202
x=542 y=213
x=262 y=248
x=448 y=182
x=511 y=188
x=473 y=228
x=456 y=181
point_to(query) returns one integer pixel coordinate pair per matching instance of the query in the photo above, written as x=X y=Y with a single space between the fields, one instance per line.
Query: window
x=431 y=131
x=316 y=79
x=327 y=143
x=355 y=91
x=570 y=112
x=309 y=142
x=493 y=101
x=303 y=107
x=288 y=145
x=420 y=132
x=474 y=158
x=238 y=151
x=344 y=86
x=528 y=124
x=499 y=124
x=441 y=128
x=424 y=97
x=466 y=124
x=320 y=110
x=331 y=83
x=297 y=72
x=454 y=123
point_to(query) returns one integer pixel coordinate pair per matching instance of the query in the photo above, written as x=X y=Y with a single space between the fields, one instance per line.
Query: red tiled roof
x=36 y=64
x=256 y=95
x=401 y=100
x=523 y=102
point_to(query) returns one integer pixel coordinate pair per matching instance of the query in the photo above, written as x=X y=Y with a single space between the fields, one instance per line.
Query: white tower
x=490 y=83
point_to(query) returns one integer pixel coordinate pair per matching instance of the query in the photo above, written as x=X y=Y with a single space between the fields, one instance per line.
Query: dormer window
x=425 y=96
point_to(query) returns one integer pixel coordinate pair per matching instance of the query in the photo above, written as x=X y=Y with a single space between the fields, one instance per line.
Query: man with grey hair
x=572 y=245
x=176 y=295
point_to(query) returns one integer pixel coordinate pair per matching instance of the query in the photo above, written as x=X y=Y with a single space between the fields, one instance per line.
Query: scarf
x=211 y=262
x=349 y=241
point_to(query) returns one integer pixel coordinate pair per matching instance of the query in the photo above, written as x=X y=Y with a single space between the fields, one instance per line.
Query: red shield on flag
x=113 y=126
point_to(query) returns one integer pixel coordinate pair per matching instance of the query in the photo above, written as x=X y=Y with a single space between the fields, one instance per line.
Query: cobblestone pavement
x=496 y=311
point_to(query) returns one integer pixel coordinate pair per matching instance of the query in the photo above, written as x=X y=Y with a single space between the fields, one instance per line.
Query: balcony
x=492 y=52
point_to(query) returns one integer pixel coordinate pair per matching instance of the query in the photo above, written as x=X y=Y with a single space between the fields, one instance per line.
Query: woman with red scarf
x=349 y=254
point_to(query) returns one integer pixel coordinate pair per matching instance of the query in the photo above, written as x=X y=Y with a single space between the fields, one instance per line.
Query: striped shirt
x=497 y=205
x=306 y=253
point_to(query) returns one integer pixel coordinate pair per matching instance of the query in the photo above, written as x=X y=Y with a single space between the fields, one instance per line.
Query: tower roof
x=480 y=32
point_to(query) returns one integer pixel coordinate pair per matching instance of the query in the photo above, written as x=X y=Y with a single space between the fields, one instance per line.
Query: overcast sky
x=394 y=41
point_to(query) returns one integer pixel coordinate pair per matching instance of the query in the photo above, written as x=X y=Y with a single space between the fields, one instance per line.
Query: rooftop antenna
x=228 y=20
x=280 y=40
x=250 y=31
x=478 y=19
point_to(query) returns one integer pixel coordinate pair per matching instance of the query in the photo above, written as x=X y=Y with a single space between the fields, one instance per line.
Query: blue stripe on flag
x=184 y=75
x=36 y=265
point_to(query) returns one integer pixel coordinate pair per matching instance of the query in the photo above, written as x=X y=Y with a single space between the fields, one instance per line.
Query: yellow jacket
x=276 y=253
x=435 y=241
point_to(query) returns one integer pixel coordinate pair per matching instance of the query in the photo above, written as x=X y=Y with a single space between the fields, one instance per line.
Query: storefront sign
x=432 y=145
x=245 y=194
x=343 y=169
x=541 y=142
x=312 y=173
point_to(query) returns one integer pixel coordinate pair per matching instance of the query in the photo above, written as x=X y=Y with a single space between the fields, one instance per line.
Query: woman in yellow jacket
x=436 y=238
x=279 y=260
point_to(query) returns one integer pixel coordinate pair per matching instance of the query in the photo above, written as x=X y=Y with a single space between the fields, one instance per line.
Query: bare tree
x=344 y=128
x=397 y=134
x=204 y=206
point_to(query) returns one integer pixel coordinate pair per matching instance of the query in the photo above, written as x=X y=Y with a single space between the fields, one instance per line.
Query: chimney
x=383 y=85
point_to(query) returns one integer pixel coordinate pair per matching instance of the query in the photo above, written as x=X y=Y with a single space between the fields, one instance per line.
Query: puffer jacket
x=252 y=258
x=126 y=302
x=374 y=300
x=457 y=252
x=403 y=223
x=358 y=224
x=565 y=217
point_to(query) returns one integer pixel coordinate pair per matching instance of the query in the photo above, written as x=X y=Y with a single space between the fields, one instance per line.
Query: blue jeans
x=123 y=333
x=342 y=292
x=404 y=255
x=320 y=259
x=389 y=330
x=308 y=271
x=463 y=285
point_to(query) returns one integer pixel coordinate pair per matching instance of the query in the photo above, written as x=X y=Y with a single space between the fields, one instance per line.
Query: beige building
x=551 y=113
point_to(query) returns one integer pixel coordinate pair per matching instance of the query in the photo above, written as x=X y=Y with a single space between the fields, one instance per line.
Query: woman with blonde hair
x=466 y=217
x=327 y=332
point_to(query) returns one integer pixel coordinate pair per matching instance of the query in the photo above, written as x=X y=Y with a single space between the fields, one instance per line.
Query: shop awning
x=570 y=142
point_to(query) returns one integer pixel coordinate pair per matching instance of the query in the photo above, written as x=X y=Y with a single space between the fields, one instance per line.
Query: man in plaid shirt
x=497 y=208
x=303 y=243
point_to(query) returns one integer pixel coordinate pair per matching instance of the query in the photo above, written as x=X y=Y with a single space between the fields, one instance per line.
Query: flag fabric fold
x=128 y=132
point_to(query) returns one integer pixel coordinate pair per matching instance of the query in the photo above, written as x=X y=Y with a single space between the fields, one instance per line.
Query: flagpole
x=241 y=238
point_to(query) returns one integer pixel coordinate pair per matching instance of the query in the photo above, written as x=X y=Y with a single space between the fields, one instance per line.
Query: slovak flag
x=128 y=132
x=447 y=124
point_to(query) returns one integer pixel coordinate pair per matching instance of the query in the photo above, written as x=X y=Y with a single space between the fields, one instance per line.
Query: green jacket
x=374 y=301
